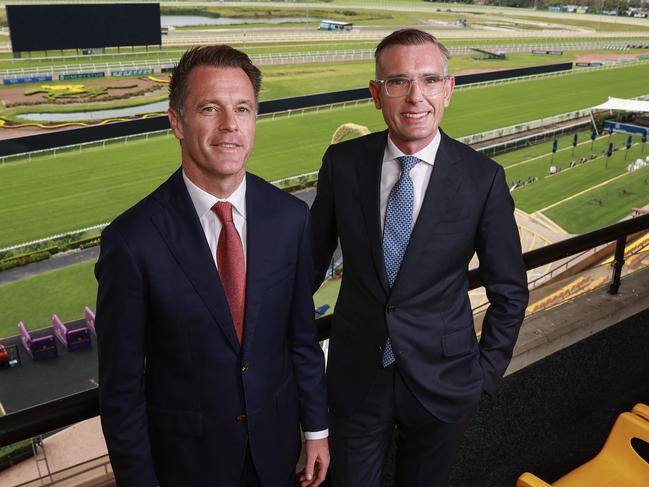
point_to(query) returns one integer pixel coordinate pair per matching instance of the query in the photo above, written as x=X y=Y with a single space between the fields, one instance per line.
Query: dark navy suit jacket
x=180 y=399
x=467 y=208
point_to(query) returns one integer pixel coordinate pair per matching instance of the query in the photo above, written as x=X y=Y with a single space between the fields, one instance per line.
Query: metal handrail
x=65 y=411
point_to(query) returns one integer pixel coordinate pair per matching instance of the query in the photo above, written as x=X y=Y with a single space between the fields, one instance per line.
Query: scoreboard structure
x=83 y=26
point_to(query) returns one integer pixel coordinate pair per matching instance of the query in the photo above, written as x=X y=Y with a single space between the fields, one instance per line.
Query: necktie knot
x=223 y=211
x=407 y=163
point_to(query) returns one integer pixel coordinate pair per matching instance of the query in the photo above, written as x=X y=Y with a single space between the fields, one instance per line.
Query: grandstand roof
x=624 y=105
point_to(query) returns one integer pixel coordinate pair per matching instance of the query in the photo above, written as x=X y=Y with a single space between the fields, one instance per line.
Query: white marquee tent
x=625 y=105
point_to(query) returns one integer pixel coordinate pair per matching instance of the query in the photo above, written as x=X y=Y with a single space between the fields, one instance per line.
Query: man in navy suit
x=208 y=357
x=410 y=206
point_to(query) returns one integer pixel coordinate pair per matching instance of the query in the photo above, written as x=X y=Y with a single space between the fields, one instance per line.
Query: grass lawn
x=555 y=188
x=511 y=103
x=66 y=292
x=535 y=162
x=293 y=80
x=34 y=300
x=327 y=294
x=604 y=205
x=74 y=190
x=521 y=162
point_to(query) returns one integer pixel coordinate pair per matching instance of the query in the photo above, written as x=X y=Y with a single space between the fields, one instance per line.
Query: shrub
x=24 y=259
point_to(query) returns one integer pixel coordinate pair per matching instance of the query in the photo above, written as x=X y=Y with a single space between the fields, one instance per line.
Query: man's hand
x=317 y=463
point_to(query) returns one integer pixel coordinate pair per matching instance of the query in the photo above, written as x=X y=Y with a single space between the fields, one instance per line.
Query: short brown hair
x=220 y=56
x=411 y=37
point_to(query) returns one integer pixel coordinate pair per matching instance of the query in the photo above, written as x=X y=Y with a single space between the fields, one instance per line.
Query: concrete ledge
x=547 y=332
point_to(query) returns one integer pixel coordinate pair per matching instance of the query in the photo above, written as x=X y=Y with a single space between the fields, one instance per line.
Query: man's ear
x=175 y=121
x=375 y=90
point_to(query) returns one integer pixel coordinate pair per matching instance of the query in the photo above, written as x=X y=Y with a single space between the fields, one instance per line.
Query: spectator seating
x=77 y=339
x=557 y=297
x=90 y=320
x=38 y=348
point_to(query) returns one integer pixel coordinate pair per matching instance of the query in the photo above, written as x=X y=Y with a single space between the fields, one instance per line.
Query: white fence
x=54 y=237
x=290 y=58
x=315 y=109
x=523 y=127
x=80 y=147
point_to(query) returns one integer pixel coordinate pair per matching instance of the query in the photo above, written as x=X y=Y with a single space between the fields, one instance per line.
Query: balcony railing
x=40 y=419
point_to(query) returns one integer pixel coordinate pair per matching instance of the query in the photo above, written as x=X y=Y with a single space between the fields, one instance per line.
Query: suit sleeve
x=503 y=275
x=306 y=354
x=323 y=216
x=121 y=339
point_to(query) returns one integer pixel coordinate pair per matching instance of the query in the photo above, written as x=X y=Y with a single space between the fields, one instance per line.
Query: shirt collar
x=427 y=154
x=204 y=201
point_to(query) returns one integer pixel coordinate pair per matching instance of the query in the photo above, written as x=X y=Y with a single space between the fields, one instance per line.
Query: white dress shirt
x=420 y=174
x=203 y=202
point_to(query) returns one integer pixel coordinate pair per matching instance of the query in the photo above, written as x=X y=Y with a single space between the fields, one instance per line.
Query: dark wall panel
x=62 y=138
x=467 y=79
x=49 y=27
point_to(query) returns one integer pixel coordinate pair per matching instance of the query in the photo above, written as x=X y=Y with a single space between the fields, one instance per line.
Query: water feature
x=160 y=106
x=187 y=20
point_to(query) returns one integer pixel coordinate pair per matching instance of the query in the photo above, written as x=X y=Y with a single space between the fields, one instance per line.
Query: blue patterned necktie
x=397 y=229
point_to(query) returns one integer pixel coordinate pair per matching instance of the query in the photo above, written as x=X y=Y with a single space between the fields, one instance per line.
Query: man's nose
x=414 y=93
x=228 y=122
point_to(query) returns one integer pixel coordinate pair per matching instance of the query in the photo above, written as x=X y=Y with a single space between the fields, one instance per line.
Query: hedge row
x=37 y=255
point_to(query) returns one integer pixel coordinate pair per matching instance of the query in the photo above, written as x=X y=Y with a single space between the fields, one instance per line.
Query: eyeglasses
x=400 y=86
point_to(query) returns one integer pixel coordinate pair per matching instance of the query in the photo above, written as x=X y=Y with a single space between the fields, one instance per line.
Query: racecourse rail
x=299 y=57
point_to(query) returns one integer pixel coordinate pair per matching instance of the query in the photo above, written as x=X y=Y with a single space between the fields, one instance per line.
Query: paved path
x=57 y=262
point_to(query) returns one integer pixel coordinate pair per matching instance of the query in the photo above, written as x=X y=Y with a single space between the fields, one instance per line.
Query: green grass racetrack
x=50 y=195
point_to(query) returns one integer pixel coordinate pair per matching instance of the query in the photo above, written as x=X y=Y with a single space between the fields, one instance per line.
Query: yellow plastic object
x=641 y=410
x=617 y=465
x=530 y=480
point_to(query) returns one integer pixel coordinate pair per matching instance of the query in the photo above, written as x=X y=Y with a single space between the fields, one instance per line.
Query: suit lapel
x=369 y=182
x=444 y=183
x=259 y=221
x=179 y=226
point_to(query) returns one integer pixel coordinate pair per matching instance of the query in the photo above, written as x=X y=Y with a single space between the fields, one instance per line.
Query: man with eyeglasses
x=410 y=207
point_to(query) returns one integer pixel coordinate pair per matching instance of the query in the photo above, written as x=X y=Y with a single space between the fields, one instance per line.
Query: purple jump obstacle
x=90 y=320
x=77 y=339
x=38 y=348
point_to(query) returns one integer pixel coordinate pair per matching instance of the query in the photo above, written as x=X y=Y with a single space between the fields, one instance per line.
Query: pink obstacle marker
x=38 y=348
x=77 y=339
x=90 y=320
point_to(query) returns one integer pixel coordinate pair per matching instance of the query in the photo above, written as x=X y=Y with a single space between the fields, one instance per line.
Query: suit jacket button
x=390 y=309
x=241 y=418
x=245 y=366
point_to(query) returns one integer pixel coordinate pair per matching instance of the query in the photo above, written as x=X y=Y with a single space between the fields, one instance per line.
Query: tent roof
x=624 y=105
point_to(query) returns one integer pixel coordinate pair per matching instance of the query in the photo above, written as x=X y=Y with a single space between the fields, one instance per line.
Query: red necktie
x=231 y=264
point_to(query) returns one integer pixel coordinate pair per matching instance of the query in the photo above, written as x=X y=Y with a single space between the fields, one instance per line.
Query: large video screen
x=49 y=27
